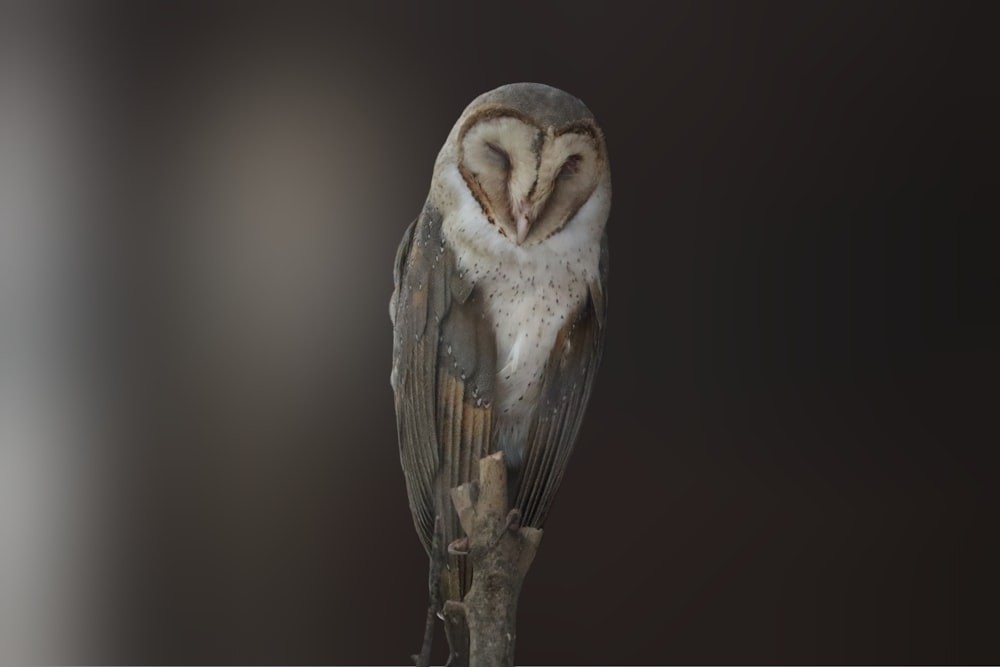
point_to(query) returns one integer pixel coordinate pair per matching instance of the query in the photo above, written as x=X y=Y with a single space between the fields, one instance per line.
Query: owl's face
x=529 y=180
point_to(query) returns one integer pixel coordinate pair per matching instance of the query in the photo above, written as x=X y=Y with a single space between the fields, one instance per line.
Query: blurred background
x=789 y=452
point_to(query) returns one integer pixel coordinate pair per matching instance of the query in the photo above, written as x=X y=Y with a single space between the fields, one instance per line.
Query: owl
x=498 y=307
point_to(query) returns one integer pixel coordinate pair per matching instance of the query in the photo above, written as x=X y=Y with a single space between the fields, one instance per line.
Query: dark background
x=788 y=455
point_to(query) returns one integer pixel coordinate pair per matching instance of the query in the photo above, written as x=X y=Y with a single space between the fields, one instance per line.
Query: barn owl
x=498 y=309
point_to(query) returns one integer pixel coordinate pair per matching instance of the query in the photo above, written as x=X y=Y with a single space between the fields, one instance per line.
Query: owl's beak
x=523 y=227
x=524 y=214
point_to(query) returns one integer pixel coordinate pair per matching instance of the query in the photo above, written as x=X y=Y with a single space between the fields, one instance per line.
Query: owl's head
x=532 y=156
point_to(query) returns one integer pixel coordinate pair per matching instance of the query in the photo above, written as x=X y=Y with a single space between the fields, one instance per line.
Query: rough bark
x=501 y=551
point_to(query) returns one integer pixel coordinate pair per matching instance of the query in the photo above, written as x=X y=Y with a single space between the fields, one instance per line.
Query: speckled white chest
x=530 y=292
x=529 y=298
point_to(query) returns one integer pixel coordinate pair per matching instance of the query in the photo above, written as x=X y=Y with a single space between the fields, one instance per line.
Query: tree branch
x=501 y=551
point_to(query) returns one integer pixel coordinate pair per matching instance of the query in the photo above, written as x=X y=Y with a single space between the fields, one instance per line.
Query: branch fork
x=482 y=628
x=501 y=552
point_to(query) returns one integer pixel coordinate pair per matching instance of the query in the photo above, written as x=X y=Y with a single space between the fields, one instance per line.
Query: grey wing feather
x=443 y=374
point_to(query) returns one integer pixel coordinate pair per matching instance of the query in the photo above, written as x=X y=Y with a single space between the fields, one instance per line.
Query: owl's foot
x=514 y=520
x=512 y=524
x=459 y=547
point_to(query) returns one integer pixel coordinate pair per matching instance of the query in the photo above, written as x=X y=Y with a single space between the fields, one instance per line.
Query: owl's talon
x=459 y=547
x=514 y=520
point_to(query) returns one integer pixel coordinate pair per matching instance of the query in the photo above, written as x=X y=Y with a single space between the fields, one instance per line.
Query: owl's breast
x=528 y=297
x=529 y=293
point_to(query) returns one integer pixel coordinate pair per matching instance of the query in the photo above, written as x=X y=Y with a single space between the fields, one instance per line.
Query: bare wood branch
x=501 y=553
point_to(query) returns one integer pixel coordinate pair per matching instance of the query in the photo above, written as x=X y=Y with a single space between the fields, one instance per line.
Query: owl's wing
x=566 y=384
x=444 y=368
